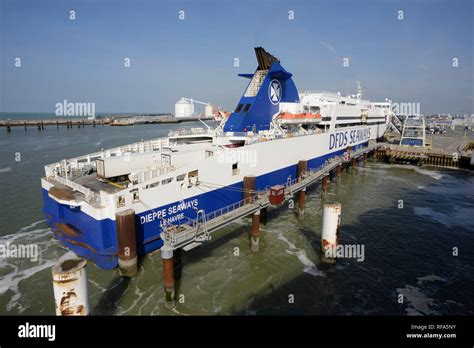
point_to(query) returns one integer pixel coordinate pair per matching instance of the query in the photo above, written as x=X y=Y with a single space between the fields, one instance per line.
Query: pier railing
x=186 y=230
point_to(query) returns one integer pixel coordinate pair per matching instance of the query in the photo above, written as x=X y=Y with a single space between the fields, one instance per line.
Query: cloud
x=328 y=46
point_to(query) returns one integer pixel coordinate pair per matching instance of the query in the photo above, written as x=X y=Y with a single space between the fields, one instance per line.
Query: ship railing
x=89 y=195
x=144 y=175
x=189 y=131
x=82 y=161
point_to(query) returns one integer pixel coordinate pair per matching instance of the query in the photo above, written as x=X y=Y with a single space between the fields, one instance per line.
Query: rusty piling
x=324 y=184
x=126 y=242
x=177 y=263
x=249 y=189
x=338 y=171
x=255 y=239
x=70 y=287
x=263 y=216
x=300 y=174
x=168 y=276
x=330 y=232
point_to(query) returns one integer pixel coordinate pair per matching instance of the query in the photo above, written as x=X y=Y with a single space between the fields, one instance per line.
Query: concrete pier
x=70 y=287
x=127 y=243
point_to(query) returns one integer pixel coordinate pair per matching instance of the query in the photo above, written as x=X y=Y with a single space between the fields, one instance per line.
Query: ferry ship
x=166 y=180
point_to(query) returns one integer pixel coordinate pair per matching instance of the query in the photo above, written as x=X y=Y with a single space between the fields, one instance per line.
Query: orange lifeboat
x=286 y=117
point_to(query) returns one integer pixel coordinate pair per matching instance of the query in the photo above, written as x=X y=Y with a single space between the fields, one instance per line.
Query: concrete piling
x=70 y=287
x=255 y=231
x=330 y=232
x=24 y=123
x=168 y=276
x=126 y=242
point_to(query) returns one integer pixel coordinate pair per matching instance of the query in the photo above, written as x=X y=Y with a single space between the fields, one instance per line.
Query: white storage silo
x=208 y=110
x=183 y=108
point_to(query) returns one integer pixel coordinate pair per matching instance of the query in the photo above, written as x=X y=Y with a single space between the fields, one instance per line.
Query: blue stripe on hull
x=96 y=239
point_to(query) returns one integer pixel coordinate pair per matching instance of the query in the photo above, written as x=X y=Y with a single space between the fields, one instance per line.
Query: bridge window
x=239 y=107
x=166 y=181
x=180 y=177
x=247 y=107
x=235 y=168
x=136 y=197
x=120 y=201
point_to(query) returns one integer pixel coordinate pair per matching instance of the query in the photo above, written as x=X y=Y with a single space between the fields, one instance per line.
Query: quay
x=121 y=120
x=452 y=150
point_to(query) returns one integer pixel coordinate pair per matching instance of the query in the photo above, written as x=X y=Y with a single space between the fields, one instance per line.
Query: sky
x=407 y=59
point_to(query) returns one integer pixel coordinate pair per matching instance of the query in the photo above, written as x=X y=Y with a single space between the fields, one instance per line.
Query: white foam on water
x=22 y=269
x=5 y=170
x=434 y=174
x=430 y=278
x=309 y=266
x=418 y=303
x=12 y=279
x=458 y=217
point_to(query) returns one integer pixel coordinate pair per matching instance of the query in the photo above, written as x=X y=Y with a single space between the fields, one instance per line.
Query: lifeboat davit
x=289 y=118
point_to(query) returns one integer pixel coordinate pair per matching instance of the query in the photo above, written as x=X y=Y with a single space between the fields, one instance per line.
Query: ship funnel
x=269 y=85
